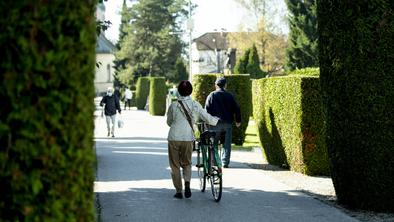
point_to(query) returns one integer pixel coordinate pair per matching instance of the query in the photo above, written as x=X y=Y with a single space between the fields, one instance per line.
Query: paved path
x=133 y=183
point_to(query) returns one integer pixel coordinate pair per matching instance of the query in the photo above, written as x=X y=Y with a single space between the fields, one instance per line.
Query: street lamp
x=217 y=56
x=190 y=28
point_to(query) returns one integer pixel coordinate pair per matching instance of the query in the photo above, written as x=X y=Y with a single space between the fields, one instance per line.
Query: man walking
x=128 y=96
x=111 y=104
x=222 y=104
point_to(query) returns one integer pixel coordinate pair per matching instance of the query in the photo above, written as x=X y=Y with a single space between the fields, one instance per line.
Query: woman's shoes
x=178 y=196
x=188 y=192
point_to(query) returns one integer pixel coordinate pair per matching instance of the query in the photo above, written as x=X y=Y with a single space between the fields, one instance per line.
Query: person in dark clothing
x=117 y=92
x=222 y=104
x=111 y=103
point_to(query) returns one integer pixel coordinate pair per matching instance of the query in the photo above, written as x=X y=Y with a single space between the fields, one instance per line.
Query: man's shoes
x=188 y=192
x=113 y=135
x=178 y=196
x=225 y=166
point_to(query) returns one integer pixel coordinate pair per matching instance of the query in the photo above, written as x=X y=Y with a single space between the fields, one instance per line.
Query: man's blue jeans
x=225 y=127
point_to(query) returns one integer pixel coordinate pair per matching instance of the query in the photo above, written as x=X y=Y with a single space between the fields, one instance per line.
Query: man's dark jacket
x=222 y=104
x=111 y=105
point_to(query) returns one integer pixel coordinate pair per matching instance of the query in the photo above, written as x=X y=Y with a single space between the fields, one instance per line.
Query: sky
x=210 y=15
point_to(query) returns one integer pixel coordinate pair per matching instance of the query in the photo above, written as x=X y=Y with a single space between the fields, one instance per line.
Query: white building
x=210 y=53
x=105 y=57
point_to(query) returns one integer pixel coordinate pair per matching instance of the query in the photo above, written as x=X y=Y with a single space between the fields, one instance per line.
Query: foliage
x=253 y=66
x=180 y=72
x=142 y=92
x=123 y=73
x=157 y=96
x=356 y=63
x=46 y=116
x=238 y=85
x=310 y=71
x=289 y=114
x=302 y=51
x=240 y=66
x=271 y=47
x=150 y=47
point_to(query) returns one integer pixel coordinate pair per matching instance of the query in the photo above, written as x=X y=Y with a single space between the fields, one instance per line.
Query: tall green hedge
x=46 y=112
x=142 y=92
x=356 y=64
x=239 y=86
x=289 y=115
x=157 y=96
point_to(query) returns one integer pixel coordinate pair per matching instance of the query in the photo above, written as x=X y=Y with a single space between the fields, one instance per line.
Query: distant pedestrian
x=181 y=117
x=222 y=104
x=128 y=96
x=117 y=92
x=111 y=104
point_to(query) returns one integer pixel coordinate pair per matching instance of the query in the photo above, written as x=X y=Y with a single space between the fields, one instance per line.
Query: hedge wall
x=142 y=92
x=46 y=113
x=157 y=96
x=290 y=119
x=239 y=86
x=356 y=63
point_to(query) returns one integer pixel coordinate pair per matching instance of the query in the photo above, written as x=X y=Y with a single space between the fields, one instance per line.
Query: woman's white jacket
x=180 y=129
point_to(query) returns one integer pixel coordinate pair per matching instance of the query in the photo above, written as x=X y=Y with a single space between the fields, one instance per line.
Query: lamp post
x=190 y=28
x=217 y=56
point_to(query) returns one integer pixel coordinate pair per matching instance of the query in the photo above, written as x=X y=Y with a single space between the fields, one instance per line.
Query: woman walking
x=181 y=116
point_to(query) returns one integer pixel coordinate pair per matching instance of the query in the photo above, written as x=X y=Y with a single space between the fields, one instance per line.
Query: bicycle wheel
x=216 y=183
x=200 y=171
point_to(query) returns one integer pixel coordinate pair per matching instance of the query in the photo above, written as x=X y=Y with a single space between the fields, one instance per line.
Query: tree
x=149 y=47
x=274 y=44
x=180 y=71
x=253 y=66
x=302 y=51
x=123 y=74
x=240 y=66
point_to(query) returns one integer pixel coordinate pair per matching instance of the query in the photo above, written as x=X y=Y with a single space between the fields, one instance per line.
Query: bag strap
x=187 y=115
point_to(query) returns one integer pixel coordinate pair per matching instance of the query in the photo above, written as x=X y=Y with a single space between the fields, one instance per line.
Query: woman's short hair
x=185 y=88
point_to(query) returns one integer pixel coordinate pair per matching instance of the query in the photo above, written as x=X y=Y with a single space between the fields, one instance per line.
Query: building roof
x=212 y=41
x=103 y=45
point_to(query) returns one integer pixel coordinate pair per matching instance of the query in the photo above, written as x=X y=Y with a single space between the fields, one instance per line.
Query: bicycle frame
x=209 y=159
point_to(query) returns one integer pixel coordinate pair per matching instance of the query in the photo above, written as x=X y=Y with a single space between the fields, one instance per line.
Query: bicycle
x=209 y=165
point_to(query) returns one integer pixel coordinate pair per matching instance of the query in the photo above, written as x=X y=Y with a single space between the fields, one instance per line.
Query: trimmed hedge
x=239 y=86
x=142 y=92
x=290 y=119
x=157 y=96
x=46 y=117
x=356 y=63
x=310 y=71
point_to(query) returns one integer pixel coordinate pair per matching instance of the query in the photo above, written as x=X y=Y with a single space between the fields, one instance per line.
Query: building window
x=109 y=72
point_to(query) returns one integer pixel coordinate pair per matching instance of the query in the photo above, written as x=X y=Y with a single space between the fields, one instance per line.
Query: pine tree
x=253 y=65
x=120 y=64
x=180 y=71
x=240 y=66
x=302 y=50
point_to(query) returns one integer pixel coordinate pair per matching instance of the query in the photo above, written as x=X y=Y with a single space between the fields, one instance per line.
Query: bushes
x=46 y=121
x=142 y=92
x=290 y=121
x=238 y=85
x=310 y=71
x=356 y=63
x=157 y=96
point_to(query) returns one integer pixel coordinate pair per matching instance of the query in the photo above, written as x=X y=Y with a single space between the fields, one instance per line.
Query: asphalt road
x=133 y=183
